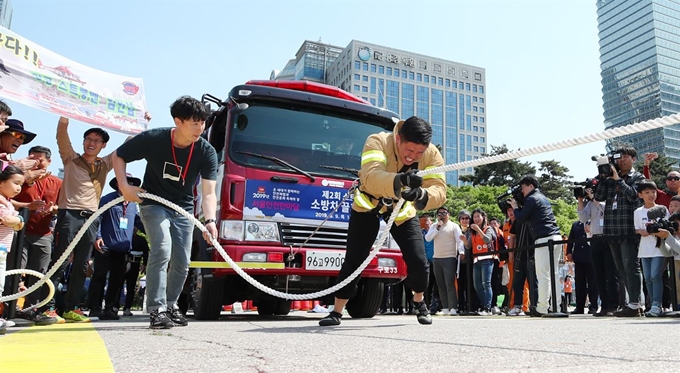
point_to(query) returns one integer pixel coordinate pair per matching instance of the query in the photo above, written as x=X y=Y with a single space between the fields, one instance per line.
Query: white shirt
x=647 y=248
x=447 y=242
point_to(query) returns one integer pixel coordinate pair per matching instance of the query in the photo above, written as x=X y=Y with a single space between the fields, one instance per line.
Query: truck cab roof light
x=311 y=87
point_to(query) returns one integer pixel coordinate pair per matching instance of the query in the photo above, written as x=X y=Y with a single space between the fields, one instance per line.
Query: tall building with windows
x=450 y=95
x=6 y=12
x=640 y=69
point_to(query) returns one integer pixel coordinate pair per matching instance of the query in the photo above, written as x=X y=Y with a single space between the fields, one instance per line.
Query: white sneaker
x=483 y=312
x=495 y=310
x=453 y=312
x=444 y=311
x=516 y=311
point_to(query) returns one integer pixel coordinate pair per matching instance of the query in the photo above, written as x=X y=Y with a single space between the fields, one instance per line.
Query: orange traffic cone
x=226 y=307
x=252 y=306
x=296 y=305
x=305 y=305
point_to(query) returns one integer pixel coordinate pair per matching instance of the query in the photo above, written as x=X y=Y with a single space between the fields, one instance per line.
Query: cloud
x=279 y=217
x=253 y=212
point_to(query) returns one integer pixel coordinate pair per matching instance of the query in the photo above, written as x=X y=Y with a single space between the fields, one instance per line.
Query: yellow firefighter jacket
x=380 y=164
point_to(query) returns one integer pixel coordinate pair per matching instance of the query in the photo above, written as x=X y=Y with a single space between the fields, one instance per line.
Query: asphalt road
x=386 y=343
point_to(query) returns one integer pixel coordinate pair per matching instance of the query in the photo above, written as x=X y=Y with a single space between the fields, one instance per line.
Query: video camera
x=515 y=192
x=580 y=187
x=657 y=216
x=604 y=169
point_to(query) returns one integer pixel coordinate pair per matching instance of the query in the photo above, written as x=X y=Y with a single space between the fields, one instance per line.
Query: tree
x=484 y=197
x=658 y=169
x=555 y=181
x=504 y=173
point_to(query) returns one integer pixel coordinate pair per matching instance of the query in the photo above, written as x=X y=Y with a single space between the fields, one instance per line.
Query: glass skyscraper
x=640 y=63
x=6 y=12
x=449 y=95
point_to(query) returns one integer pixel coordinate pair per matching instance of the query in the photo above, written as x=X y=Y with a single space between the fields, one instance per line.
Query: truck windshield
x=304 y=138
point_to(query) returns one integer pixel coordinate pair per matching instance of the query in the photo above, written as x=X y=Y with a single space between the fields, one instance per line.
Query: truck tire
x=207 y=296
x=366 y=303
x=273 y=307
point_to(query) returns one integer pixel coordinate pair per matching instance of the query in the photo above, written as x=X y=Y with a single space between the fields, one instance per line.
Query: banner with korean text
x=42 y=79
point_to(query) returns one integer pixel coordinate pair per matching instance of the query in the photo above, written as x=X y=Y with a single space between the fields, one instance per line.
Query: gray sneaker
x=160 y=320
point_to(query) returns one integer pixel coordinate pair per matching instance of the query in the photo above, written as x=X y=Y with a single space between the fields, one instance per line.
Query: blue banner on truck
x=277 y=201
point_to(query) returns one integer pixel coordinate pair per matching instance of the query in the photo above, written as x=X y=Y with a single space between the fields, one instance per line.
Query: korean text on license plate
x=324 y=260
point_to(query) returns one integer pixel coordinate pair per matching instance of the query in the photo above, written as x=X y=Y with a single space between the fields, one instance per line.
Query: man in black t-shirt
x=175 y=157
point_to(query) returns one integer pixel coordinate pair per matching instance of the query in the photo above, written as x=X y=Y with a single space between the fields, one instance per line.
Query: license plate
x=324 y=260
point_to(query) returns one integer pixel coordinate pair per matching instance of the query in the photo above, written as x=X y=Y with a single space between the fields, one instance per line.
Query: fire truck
x=289 y=152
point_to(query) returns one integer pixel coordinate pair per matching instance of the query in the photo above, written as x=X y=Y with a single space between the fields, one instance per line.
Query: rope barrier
x=603 y=135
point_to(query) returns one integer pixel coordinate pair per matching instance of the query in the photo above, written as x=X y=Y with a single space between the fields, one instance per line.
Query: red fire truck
x=289 y=151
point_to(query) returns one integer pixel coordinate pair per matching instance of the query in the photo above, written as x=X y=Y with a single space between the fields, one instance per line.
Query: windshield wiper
x=352 y=171
x=281 y=162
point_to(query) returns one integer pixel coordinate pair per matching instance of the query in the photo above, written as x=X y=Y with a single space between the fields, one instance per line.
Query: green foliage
x=484 y=197
x=504 y=173
x=555 y=182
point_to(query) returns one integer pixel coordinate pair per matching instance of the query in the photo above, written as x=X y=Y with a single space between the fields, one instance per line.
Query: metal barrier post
x=551 y=256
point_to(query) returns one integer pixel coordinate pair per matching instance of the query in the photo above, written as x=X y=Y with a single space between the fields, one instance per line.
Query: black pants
x=402 y=297
x=130 y=279
x=497 y=286
x=111 y=263
x=606 y=274
x=68 y=224
x=363 y=230
x=523 y=273
x=586 y=285
x=432 y=293
x=466 y=302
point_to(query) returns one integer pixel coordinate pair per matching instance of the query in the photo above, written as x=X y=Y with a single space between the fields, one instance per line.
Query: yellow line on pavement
x=54 y=348
x=244 y=265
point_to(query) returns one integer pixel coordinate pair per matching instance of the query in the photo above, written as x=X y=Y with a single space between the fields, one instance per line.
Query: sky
x=541 y=57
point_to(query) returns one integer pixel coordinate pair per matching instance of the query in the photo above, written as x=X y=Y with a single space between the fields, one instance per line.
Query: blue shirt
x=429 y=247
x=115 y=238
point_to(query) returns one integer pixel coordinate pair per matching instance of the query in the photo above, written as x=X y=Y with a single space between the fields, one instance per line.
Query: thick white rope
x=603 y=135
x=63 y=256
x=39 y=275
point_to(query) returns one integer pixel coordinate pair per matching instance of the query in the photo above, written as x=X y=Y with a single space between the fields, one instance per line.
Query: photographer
x=543 y=227
x=606 y=276
x=447 y=247
x=619 y=193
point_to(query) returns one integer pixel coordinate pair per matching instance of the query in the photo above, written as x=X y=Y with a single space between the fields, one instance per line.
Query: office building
x=640 y=69
x=450 y=95
x=6 y=12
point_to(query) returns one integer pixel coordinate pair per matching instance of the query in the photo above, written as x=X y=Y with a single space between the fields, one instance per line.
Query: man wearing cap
x=11 y=138
x=113 y=244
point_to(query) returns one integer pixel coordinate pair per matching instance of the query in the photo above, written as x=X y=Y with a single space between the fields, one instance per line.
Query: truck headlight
x=231 y=230
x=262 y=231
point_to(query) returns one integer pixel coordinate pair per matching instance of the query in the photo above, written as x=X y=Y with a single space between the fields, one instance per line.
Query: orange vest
x=567 y=286
x=478 y=244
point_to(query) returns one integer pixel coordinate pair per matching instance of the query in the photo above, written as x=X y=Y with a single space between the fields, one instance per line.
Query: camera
x=580 y=187
x=604 y=163
x=670 y=226
x=515 y=192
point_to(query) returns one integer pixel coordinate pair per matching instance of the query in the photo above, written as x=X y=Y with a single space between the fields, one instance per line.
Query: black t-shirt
x=163 y=176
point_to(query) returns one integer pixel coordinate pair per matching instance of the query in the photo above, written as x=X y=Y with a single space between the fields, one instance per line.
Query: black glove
x=410 y=179
x=418 y=196
x=413 y=194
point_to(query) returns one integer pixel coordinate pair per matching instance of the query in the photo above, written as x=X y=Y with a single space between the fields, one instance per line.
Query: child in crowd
x=11 y=180
x=652 y=256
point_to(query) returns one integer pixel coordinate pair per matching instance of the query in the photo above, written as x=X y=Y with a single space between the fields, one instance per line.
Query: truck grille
x=326 y=237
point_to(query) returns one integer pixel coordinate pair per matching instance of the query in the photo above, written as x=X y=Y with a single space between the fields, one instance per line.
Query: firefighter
x=389 y=163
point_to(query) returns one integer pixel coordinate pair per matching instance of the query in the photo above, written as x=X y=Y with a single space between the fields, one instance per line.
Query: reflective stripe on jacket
x=379 y=165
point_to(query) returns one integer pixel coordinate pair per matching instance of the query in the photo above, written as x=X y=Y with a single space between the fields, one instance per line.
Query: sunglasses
x=442 y=213
x=673 y=178
x=16 y=135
